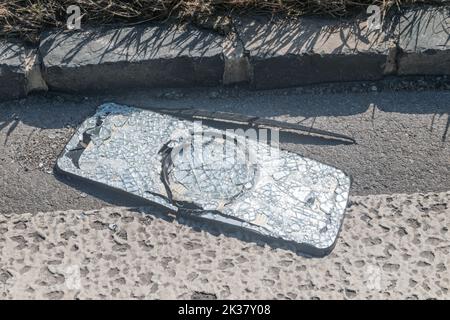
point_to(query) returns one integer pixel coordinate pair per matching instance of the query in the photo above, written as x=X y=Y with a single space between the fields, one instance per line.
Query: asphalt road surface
x=403 y=144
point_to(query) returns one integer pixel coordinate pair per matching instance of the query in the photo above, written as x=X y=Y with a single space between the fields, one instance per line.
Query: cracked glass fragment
x=212 y=174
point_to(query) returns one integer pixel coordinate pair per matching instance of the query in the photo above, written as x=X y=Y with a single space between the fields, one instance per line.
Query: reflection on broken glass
x=210 y=173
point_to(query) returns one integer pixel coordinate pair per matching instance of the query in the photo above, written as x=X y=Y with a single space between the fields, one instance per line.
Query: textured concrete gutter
x=273 y=53
x=390 y=247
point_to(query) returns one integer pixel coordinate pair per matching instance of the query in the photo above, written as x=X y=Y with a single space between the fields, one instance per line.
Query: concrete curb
x=12 y=71
x=20 y=71
x=275 y=53
x=423 y=37
x=295 y=52
x=143 y=56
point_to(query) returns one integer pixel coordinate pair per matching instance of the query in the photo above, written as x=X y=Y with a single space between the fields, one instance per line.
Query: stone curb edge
x=263 y=53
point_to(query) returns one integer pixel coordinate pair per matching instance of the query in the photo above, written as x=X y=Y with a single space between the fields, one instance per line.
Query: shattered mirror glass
x=230 y=176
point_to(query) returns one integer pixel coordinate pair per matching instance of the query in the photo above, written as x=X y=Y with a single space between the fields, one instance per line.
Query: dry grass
x=26 y=18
